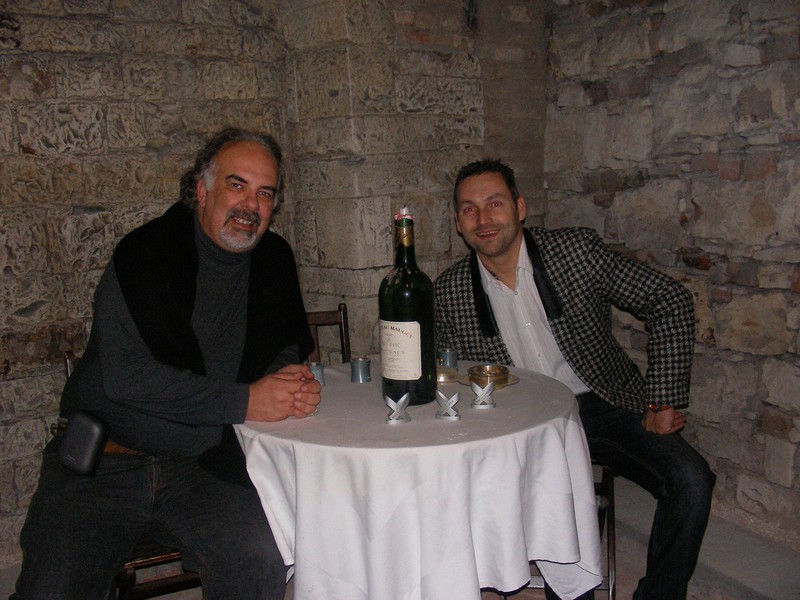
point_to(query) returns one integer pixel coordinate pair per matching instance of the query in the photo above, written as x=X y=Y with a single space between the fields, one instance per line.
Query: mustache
x=241 y=213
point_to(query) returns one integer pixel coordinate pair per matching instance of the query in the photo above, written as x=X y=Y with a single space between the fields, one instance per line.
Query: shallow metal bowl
x=485 y=374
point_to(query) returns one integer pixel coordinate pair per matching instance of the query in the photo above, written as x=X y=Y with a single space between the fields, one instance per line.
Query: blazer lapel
x=552 y=304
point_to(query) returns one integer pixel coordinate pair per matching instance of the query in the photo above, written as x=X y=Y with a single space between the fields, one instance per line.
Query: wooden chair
x=147 y=553
x=325 y=318
x=604 y=492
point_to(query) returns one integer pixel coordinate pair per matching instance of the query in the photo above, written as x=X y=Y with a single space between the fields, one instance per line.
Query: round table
x=429 y=509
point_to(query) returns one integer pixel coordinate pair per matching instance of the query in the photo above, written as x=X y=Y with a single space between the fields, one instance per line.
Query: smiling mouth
x=484 y=233
x=244 y=220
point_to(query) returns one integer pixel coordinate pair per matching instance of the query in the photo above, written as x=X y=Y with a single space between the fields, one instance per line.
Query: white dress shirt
x=523 y=324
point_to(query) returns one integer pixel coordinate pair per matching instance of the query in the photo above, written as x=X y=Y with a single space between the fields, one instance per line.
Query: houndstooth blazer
x=579 y=278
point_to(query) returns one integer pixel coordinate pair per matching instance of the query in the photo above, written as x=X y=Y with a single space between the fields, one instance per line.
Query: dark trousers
x=673 y=472
x=79 y=529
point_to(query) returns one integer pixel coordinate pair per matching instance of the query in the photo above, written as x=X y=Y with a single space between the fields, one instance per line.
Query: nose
x=251 y=201
x=484 y=216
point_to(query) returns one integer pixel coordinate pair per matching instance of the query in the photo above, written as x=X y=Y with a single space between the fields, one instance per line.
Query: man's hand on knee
x=664 y=422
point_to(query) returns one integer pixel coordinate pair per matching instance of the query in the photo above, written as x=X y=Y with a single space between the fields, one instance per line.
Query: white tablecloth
x=429 y=510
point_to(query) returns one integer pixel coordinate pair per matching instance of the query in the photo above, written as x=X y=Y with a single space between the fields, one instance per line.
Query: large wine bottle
x=408 y=340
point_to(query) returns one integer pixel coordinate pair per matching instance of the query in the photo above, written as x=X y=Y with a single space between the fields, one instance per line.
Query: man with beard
x=198 y=324
x=541 y=300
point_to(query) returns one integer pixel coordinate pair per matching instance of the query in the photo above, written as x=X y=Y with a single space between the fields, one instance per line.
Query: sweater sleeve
x=133 y=378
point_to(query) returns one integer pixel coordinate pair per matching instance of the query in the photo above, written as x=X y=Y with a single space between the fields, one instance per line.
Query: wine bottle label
x=401 y=354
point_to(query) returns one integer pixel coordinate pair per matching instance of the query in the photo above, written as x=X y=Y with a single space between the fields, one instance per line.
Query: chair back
x=326 y=318
x=70 y=362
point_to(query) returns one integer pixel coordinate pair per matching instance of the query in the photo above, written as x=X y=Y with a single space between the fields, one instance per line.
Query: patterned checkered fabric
x=585 y=278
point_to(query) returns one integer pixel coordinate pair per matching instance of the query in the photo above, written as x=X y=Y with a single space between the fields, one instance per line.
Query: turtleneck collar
x=208 y=248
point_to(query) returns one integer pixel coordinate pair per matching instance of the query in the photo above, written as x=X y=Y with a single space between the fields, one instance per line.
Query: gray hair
x=205 y=161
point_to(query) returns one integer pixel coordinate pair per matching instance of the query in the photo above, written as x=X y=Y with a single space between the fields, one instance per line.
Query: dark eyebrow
x=240 y=179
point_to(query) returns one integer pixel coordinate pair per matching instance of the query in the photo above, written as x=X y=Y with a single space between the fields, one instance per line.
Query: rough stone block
x=454 y=132
x=372 y=82
x=741 y=55
x=262 y=43
x=648 y=217
x=227 y=80
x=375 y=175
x=319 y=24
x=690 y=106
x=272 y=80
x=623 y=40
x=326 y=138
x=438 y=64
x=758 y=166
x=357 y=283
x=208 y=12
x=743 y=273
x=767 y=500
x=86 y=7
x=564 y=140
x=51 y=129
x=739 y=213
x=122 y=180
x=126 y=127
x=7 y=141
x=755 y=324
x=322 y=91
x=430 y=95
x=89 y=77
x=78 y=293
x=703 y=316
x=23 y=241
x=775 y=423
x=723 y=391
x=26 y=77
x=575 y=211
x=687 y=24
x=162 y=78
x=143 y=10
x=369 y=222
x=80 y=241
x=776 y=9
x=256 y=15
x=32 y=180
x=29 y=299
x=732 y=442
x=369 y=21
x=782 y=380
x=573 y=49
x=30 y=397
x=30 y=350
x=730 y=167
x=780 y=46
x=26 y=474
x=23 y=438
x=305 y=230
x=72 y=35
x=165 y=39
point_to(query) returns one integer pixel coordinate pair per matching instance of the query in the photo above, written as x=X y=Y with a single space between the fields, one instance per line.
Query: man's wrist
x=657 y=408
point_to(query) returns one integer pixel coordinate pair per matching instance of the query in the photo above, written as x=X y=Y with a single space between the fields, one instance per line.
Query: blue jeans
x=673 y=472
x=79 y=529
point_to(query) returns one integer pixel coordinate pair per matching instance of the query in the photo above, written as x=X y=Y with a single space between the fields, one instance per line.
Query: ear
x=202 y=193
x=521 y=208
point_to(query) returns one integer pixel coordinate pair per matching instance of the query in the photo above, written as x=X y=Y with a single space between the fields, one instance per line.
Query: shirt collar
x=524 y=268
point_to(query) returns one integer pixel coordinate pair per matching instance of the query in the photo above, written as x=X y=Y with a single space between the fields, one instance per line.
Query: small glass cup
x=318 y=370
x=359 y=369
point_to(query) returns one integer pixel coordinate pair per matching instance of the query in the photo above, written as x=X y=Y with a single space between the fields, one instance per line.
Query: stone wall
x=672 y=128
x=104 y=102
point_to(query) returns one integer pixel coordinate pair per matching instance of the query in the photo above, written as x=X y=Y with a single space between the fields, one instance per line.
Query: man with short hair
x=198 y=324
x=541 y=300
